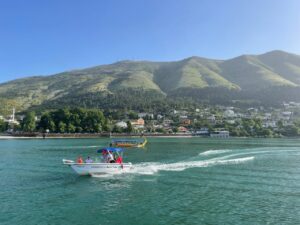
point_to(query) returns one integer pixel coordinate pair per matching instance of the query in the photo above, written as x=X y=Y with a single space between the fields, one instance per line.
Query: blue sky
x=50 y=36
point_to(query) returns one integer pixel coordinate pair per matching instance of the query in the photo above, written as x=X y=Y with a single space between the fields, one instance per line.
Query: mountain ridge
x=243 y=73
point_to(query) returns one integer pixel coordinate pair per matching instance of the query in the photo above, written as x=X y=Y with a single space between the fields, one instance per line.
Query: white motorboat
x=101 y=168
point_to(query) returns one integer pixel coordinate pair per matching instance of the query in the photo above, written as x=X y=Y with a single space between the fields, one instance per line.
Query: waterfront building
x=220 y=134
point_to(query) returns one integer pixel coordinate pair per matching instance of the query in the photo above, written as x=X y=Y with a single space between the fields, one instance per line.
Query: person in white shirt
x=110 y=157
x=88 y=160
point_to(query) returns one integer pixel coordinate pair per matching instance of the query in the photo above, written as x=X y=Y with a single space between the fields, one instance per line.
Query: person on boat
x=110 y=157
x=119 y=160
x=88 y=160
x=79 y=160
x=104 y=156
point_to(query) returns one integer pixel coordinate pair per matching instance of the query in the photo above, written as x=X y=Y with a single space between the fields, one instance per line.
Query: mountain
x=247 y=77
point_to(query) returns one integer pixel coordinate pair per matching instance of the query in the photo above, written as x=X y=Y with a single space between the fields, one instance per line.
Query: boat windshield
x=111 y=155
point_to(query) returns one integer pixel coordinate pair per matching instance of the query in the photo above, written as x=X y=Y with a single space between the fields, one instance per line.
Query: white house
x=121 y=124
x=287 y=113
x=270 y=124
x=142 y=115
x=220 y=134
x=268 y=116
x=295 y=104
x=211 y=118
x=230 y=121
x=158 y=126
x=229 y=113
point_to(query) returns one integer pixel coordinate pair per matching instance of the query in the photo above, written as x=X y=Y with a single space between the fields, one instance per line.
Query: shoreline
x=105 y=135
x=91 y=136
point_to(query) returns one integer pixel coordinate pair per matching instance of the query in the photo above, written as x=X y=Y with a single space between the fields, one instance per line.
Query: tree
x=116 y=115
x=3 y=125
x=133 y=115
x=280 y=124
x=75 y=119
x=52 y=126
x=97 y=128
x=29 y=122
x=93 y=120
x=291 y=131
x=62 y=127
x=160 y=130
x=105 y=126
x=71 y=128
x=266 y=132
x=234 y=131
x=46 y=122
x=79 y=129
x=129 y=128
x=175 y=129
x=117 y=129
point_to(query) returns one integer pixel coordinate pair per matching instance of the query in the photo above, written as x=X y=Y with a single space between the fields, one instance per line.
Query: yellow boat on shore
x=129 y=143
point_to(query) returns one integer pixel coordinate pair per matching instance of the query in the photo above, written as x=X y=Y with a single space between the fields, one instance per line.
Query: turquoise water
x=175 y=181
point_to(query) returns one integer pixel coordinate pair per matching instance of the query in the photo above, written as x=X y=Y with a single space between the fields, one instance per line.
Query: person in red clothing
x=119 y=160
x=80 y=160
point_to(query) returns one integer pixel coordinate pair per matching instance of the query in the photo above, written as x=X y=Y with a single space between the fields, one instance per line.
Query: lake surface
x=175 y=181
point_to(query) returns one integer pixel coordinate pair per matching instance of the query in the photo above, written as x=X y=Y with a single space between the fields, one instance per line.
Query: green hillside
x=285 y=64
x=246 y=77
x=193 y=72
x=248 y=72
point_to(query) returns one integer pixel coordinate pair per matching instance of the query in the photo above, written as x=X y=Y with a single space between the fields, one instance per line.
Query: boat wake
x=215 y=152
x=152 y=168
x=69 y=147
x=213 y=158
x=209 y=158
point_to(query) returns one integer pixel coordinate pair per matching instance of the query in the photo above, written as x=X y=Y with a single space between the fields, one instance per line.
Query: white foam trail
x=102 y=175
x=236 y=161
x=255 y=153
x=71 y=147
x=83 y=147
x=151 y=168
x=214 y=152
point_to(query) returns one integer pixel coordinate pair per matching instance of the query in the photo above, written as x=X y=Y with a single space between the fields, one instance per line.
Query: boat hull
x=100 y=168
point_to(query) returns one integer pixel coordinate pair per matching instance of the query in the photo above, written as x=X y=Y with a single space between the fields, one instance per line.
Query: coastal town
x=216 y=121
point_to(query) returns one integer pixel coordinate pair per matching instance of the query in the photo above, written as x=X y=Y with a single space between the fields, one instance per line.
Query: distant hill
x=270 y=77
